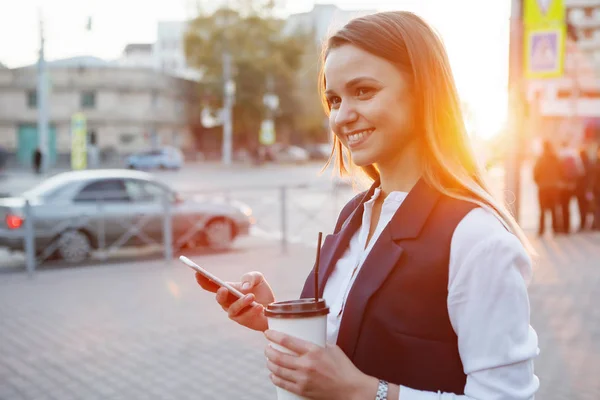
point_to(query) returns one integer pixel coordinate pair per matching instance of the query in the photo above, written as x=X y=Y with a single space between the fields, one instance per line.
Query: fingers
x=281 y=359
x=252 y=317
x=294 y=344
x=224 y=298
x=250 y=280
x=246 y=284
x=286 y=385
x=206 y=283
x=281 y=372
x=238 y=306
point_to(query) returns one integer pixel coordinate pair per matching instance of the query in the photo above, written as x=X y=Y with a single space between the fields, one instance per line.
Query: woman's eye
x=334 y=101
x=363 y=91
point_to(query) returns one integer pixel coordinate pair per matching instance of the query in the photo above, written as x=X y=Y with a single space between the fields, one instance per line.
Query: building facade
x=138 y=55
x=169 y=50
x=323 y=20
x=127 y=109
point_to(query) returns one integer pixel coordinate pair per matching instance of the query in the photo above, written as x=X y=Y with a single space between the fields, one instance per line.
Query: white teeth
x=355 y=137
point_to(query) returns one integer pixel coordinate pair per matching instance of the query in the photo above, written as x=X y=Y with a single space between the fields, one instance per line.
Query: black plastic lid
x=301 y=308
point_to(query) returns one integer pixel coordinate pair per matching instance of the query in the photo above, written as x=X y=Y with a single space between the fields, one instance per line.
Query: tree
x=312 y=119
x=259 y=51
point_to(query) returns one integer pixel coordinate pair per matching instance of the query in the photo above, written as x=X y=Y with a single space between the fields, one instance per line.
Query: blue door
x=27 y=142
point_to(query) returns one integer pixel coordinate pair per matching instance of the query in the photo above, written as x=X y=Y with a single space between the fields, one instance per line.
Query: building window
x=32 y=99
x=576 y=15
x=88 y=100
x=127 y=138
x=588 y=11
x=588 y=33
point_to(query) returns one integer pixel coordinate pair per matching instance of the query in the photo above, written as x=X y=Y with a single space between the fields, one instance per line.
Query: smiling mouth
x=357 y=137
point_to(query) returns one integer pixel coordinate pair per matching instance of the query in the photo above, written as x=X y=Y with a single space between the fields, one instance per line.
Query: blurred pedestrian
x=547 y=176
x=3 y=157
x=583 y=190
x=571 y=173
x=596 y=189
x=37 y=160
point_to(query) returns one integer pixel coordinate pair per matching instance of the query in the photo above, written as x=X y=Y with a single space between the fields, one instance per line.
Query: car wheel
x=74 y=246
x=219 y=234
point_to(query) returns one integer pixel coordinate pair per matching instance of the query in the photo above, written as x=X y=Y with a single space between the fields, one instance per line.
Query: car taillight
x=14 y=221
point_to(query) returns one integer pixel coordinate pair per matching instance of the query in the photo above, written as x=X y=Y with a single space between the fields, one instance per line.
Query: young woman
x=426 y=273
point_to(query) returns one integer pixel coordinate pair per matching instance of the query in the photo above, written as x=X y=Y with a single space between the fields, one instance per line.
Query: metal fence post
x=29 y=239
x=101 y=227
x=167 y=227
x=284 y=238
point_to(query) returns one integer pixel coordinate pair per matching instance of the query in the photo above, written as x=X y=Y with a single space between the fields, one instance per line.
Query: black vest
x=395 y=324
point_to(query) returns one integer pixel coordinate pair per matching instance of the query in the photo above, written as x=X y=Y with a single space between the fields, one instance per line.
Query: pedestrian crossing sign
x=545 y=50
x=545 y=33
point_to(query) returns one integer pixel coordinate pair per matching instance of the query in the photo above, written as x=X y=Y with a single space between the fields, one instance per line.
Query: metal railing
x=288 y=214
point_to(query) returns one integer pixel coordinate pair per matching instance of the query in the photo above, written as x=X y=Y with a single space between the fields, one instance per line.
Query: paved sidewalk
x=146 y=331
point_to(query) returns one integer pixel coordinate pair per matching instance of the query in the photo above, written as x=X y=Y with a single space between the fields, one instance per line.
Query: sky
x=475 y=33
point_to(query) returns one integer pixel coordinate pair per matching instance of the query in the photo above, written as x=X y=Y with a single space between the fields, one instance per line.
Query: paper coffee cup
x=305 y=319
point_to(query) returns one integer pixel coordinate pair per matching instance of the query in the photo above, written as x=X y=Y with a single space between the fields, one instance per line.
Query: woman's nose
x=345 y=114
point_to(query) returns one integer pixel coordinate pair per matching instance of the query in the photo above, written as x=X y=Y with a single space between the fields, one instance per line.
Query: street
x=312 y=201
x=145 y=330
x=311 y=204
x=137 y=327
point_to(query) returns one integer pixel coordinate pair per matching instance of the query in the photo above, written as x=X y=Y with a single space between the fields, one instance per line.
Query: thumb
x=251 y=280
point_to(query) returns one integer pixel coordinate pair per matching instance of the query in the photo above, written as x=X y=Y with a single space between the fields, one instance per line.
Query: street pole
x=229 y=89
x=42 y=101
x=229 y=93
x=516 y=104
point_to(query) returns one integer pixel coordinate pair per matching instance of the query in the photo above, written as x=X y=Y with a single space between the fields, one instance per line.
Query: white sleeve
x=488 y=307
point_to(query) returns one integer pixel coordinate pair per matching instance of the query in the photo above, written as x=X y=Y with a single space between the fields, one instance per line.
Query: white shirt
x=487 y=302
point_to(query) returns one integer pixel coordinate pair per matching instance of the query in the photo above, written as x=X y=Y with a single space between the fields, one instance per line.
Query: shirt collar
x=393 y=197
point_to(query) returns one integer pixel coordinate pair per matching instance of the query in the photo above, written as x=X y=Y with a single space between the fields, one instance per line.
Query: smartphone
x=213 y=278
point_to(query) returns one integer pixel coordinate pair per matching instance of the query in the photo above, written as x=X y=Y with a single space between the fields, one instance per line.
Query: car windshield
x=48 y=187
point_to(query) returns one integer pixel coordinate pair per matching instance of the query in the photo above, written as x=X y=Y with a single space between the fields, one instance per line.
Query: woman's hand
x=316 y=372
x=255 y=287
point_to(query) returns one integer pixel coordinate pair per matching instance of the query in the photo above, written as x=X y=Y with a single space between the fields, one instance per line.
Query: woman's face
x=371 y=106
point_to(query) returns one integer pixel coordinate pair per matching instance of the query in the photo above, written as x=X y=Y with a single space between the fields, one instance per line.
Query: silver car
x=76 y=212
x=163 y=158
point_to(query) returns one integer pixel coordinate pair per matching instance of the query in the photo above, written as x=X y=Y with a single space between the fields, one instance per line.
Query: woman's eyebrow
x=353 y=82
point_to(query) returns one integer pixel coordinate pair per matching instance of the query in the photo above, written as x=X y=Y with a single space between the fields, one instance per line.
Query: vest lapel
x=335 y=244
x=383 y=257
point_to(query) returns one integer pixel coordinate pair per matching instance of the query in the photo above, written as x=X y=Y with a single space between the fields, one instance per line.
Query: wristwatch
x=382 y=390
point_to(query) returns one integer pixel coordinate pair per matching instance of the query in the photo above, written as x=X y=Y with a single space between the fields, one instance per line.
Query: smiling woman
x=425 y=274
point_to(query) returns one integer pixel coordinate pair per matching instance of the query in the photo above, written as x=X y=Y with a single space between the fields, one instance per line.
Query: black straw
x=317 y=268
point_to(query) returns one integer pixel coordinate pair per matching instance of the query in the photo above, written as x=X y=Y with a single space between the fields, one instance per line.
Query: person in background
x=572 y=171
x=3 y=158
x=547 y=176
x=595 y=167
x=583 y=190
x=37 y=160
